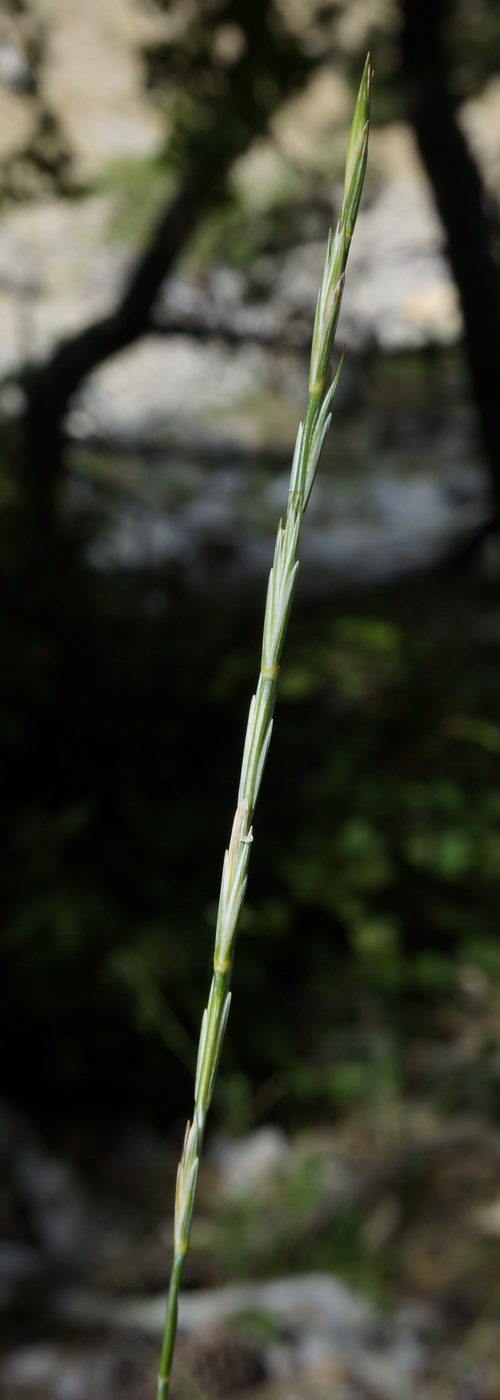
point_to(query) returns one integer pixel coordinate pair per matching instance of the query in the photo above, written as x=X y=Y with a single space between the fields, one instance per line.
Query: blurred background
x=169 y=173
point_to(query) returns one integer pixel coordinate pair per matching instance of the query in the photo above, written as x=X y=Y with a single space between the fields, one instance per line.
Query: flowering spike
x=310 y=439
x=359 y=123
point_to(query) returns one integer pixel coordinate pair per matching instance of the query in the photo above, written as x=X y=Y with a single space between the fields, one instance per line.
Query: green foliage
x=140 y=187
x=238 y=236
x=222 y=74
x=474 y=42
x=382 y=887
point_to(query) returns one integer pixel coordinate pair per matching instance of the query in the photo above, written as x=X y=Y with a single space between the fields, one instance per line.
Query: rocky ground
x=408 y=1207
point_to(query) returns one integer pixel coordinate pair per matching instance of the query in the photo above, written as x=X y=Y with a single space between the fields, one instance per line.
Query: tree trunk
x=462 y=204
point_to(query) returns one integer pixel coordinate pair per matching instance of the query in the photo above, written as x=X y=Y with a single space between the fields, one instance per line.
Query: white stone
x=308 y=1301
x=35 y=1365
x=246 y=1165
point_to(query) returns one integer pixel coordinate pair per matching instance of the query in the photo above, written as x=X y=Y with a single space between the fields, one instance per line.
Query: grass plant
x=310 y=438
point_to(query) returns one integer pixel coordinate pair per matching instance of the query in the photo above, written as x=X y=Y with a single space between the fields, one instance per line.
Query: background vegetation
x=372 y=926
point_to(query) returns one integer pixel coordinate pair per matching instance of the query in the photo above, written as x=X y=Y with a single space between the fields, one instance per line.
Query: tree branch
x=50 y=387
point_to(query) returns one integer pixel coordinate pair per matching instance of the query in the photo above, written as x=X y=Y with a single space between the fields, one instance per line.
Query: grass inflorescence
x=310 y=438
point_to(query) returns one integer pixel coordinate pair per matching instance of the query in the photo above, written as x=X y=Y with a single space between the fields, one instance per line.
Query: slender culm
x=310 y=439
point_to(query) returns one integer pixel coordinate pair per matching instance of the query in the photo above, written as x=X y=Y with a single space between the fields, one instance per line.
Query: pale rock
x=16 y=121
x=54 y=1201
x=487 y=1219
x=161 y=385
x=245 y=1166
x=308 y=1301
x=33 y=1367
x=92 y=79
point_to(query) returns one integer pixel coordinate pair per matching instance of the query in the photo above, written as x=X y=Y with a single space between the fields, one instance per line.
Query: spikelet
x=309 y=444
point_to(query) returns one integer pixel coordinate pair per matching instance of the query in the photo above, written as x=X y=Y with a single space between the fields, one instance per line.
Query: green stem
x=278 y=606
x=167 y=1350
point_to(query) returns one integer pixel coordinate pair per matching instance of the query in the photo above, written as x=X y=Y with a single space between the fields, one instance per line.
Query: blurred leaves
x=219 y=72
x=374 y=882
